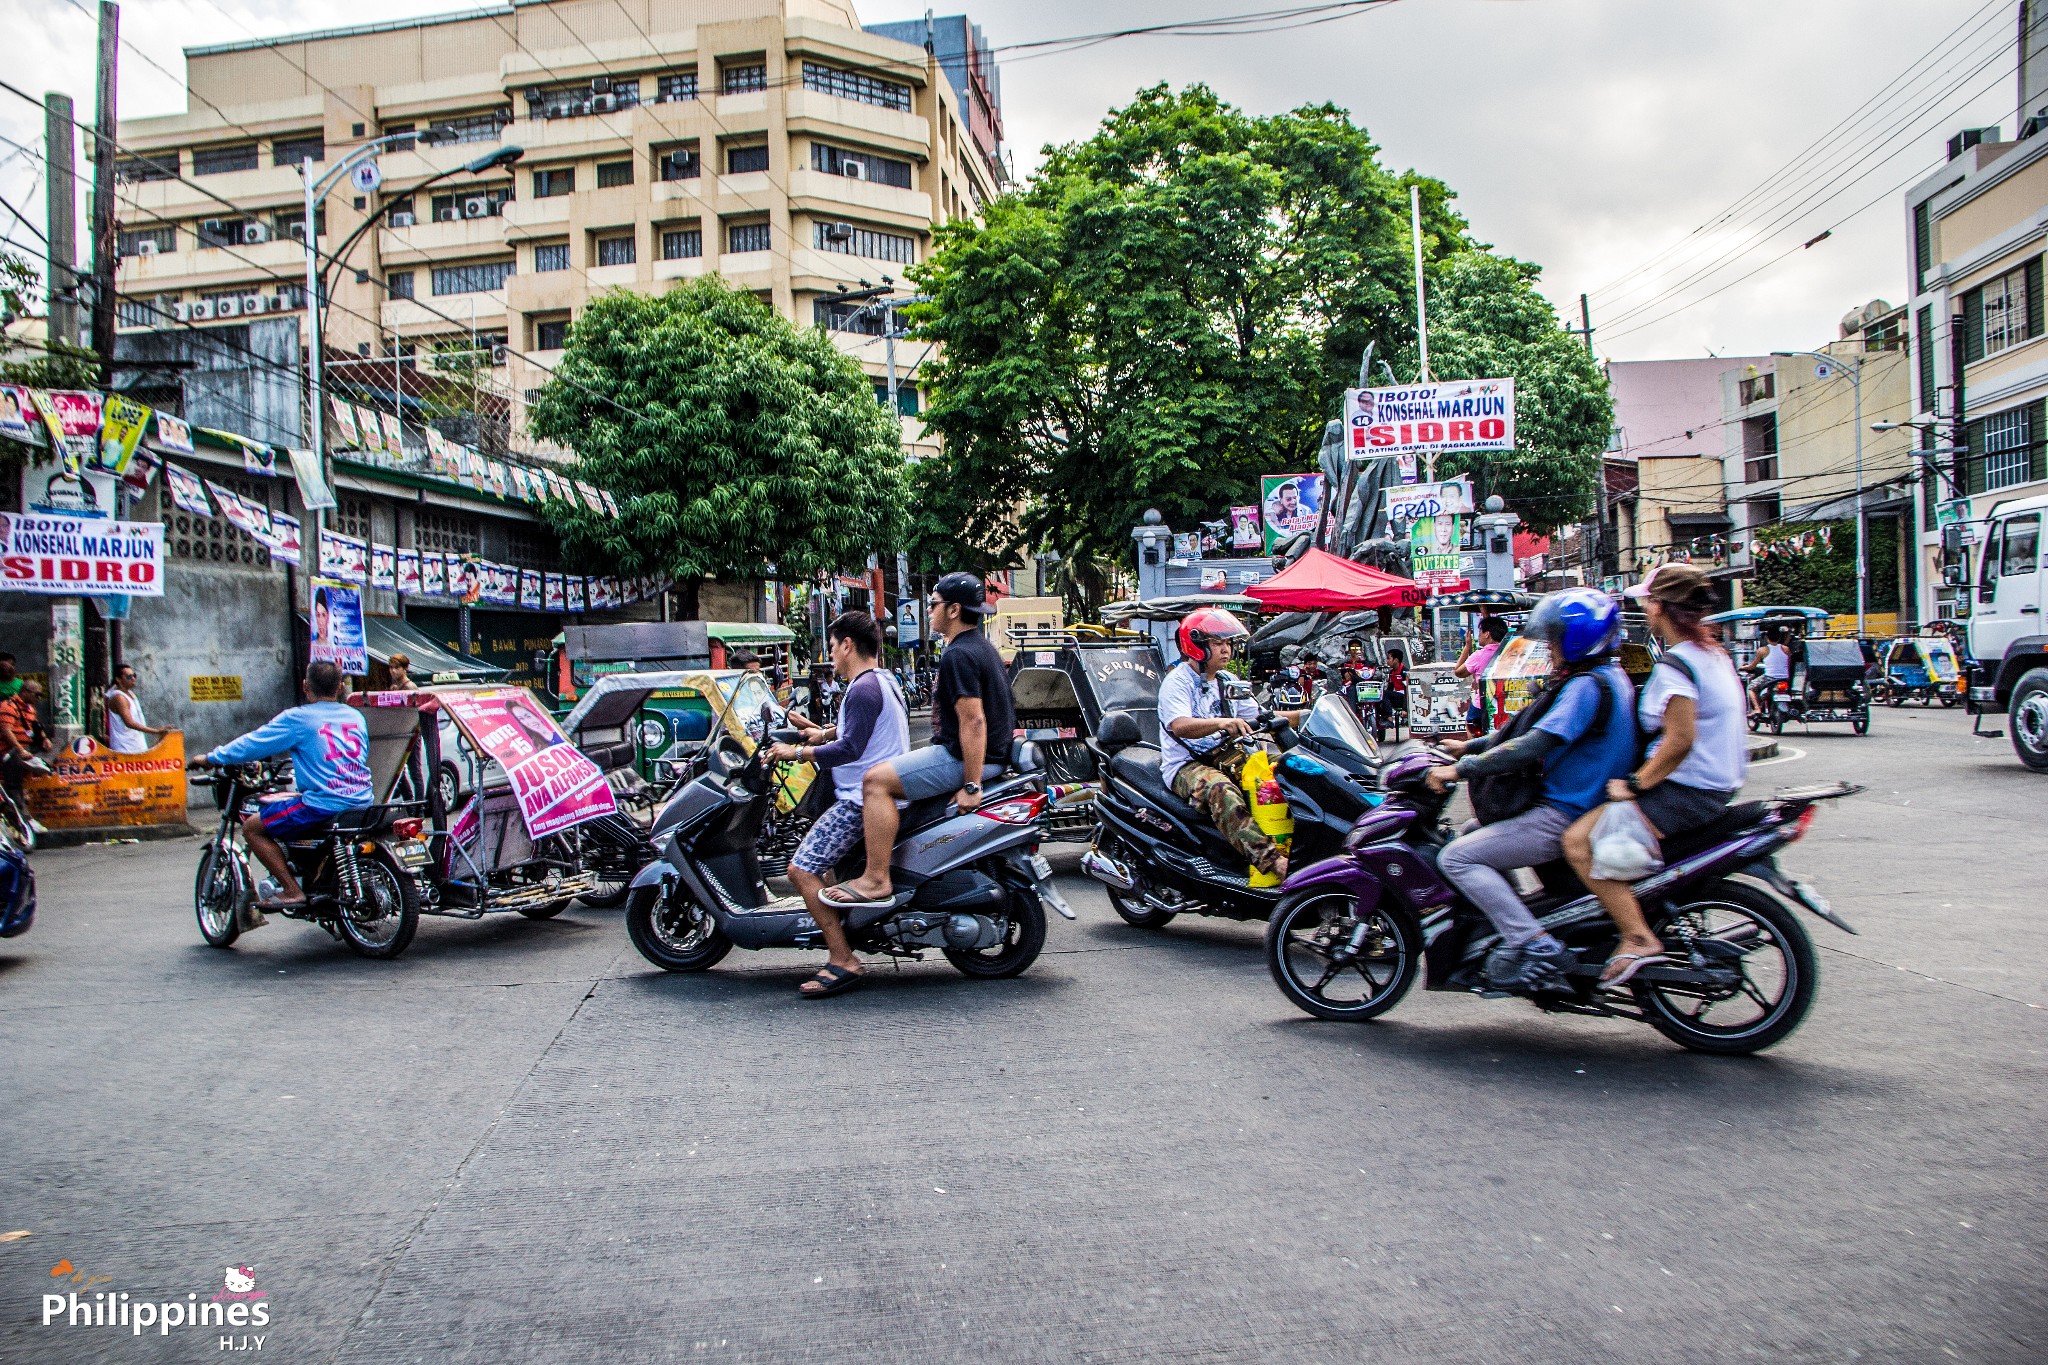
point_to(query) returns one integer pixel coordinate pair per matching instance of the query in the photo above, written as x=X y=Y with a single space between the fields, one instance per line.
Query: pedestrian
x=126 y=725
x=10 y=681
x=1479 y=651
x=25 y=739
x=398 y=669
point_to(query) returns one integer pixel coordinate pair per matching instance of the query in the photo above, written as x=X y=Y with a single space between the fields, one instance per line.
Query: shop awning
x=748 y=633
x=384 y=636
x=1321 y=581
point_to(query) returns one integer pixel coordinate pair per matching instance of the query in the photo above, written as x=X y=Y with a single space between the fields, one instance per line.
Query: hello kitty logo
x=241 y=1284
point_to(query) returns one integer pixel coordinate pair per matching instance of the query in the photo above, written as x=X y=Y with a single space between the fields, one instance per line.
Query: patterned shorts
x=831 y=839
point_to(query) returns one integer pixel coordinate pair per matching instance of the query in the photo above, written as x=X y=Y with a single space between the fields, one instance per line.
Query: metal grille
x=853 y=85
x=215 y=540
x=446 y=531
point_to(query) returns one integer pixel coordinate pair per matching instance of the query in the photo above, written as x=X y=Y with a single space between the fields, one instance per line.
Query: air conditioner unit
x=401 y=220
x=600 y=84
x=499 y=355
x=213 y=231
x=275 y=303
x=296 y=230
x=182 y=312
x=838 y=232
x=252 y=304
x=448 y=216
x=147 y=247
x=854 y=170
x=603 y=104
x=227 y=306
x=252 y=233
x=202 y=311
x=476 y=206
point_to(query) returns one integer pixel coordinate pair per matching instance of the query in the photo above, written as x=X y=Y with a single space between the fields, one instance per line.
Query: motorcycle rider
x=1581 y=742
x=1195 y=729
x=330 y=749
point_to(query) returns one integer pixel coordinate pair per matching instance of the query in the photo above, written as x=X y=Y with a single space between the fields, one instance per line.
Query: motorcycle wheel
x=1779 y=973
x=1131 y=906
x=672 y=931
x=218 y=892
x=1895 y=699
x=1018 y=950
x=1303 y=932
x=1777 y=724
x=1861 y=724
x=390 y=894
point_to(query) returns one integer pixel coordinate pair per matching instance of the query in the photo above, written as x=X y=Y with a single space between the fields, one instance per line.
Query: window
x=219 y=232
x=402 y=204
x=853 y=85
x=613 y=173
x=392 y=129
x=2005 y=449
x=615 y=250
x=447 y=532
x=558 y=181
x=2022 y=547
x=476 y=277
x=2002 y=313
x=740 y=160
x=479 y=201
x=1757 y=389
x=679 y=244
x=1760 y=448
x=906 y=397
x=740 y=237
x=146 y=312
x=551 y=334
x=860 y=165
x=399 y=284
x=747 y=76
x=679 y=163
x=850 y=240
x=681 y=85
x=1923 y=339
x=576 y=101
x=549 y=256
x=157 y=239
x=291 y=225
x=290 y=151
x=485 y=127
x=235 y=156
x=132 y=169
x=1923 y=245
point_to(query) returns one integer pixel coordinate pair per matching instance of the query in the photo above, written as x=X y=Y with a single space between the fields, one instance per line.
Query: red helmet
x=1199 y=628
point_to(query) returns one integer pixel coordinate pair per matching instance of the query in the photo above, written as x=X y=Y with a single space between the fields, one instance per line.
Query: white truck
x=2008 y=642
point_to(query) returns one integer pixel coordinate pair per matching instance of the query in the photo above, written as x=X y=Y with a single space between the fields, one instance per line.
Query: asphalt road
x=520 y=1143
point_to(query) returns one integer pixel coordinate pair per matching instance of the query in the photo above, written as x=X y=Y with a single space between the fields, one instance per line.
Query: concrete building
x=1668 y=419
x=1976 y=231
x=774 y=142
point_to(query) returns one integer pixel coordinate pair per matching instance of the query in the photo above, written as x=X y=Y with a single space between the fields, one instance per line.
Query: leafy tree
x=731 y=439
x=1169 y=310
x=60 y=366
x=1795 y=565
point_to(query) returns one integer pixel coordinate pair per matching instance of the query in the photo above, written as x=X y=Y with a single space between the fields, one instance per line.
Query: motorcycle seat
x=608 y=756
x=1138 y=767
x=1737 y=817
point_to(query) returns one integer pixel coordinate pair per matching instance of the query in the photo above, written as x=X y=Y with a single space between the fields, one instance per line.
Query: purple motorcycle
x=1350 y=932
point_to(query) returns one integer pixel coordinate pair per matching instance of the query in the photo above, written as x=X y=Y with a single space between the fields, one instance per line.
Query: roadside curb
x=75 y=838
x=1760 y=749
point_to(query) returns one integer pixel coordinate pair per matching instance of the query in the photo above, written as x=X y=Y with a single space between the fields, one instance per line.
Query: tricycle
x=1919 y=667
x=1827 y=684
x=1064 y=683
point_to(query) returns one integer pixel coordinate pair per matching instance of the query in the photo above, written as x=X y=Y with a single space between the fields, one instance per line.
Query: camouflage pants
x=1219 y=797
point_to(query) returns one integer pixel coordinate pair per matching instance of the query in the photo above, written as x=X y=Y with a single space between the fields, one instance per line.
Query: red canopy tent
x=1320 y=581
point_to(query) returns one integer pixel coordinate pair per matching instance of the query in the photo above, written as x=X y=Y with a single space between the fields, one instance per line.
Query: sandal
x=1632 y=963
x=845 y=895
x=830 y=980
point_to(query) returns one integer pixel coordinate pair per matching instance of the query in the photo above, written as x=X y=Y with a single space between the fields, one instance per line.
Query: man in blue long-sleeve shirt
x=330 y=749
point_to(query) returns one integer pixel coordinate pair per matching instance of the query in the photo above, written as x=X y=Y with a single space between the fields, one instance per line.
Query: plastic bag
x=1624 y=847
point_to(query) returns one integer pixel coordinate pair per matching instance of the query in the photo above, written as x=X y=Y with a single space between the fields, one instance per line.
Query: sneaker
x=1539 y=964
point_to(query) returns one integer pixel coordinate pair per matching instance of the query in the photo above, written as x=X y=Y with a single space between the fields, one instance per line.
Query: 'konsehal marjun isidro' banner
x=56 y=554
x=1430 y=419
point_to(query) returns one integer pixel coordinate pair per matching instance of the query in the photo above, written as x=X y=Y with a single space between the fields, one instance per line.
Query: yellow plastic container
x=1269 y=808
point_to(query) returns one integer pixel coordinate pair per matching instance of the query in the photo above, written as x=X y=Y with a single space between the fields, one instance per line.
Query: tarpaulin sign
x=337 y=626
x=73 y=419
x=1290 y=503
x=90 y=786
x=121 y=427
x=557 y=786
x=56 y=554
x=1458 y=414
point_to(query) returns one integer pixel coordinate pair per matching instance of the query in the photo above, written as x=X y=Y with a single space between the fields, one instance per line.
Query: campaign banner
x=1291 y=503
x=142 y=468
x=242 y=514
x=556 y=785
x=394 y=433
x=122 y=423
x=90 y=786
x=501 y=584
x=174 y=434
x=553 y=597
x=60 y=554
x=529 y=590
x=433 y=574
x=409 y=572
x=590 y=497
x=344 y=558
x=466 y=578
x=1434 y=558
x=1245 y=530
x=1437 y=700
x=287 y=545
x=1430 y=419
x=1416 y=501
x=17 y=413
x=337 y=625
x=72 y=417
x=187 y=491
x=345 y=419
x=383 y=567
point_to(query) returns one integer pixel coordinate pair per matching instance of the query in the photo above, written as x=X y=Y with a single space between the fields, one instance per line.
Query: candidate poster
x=1245 y=531
x=337 y=626
x=1290 y=504
x=394 y=433
x=122 y=423
x=556 y=785
x=344 y=558
x=242 y=513
x=1430 y=419
x=72 y=418
x=529 y=590
x=466 y=578
x=409 y=572
x=50 y=553
x=286 y=543
x=89 y=785
x=17 y=413
x=433 y=574
x=383 y=567
x=174 y=434
x=187 y=491
x=345 y=420
x=553 y=597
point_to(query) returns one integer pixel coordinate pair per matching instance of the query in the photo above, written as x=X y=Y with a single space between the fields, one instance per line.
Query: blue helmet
x=1579 y=623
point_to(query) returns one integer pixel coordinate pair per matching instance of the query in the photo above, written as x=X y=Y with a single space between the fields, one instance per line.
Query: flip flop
x=1636 y=962
x=832 y=893
x=830 y=980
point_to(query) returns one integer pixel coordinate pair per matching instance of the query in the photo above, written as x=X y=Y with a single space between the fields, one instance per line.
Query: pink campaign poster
x=557 y=786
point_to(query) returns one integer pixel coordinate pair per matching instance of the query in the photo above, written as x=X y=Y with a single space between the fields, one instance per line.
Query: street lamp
x=1862 y=525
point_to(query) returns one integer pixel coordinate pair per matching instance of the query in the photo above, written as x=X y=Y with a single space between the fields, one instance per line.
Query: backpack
x=1503 y=796
x=1645 y=737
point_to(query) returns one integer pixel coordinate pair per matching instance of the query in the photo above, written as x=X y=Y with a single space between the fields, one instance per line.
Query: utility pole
x=60 y=196
x=1421 y=315
x=106 y=132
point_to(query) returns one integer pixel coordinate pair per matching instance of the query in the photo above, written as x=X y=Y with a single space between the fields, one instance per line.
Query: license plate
x=1040 y=868
x=411 y=853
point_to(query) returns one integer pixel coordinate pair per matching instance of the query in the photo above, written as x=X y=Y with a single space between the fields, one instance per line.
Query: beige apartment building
x=774 y=142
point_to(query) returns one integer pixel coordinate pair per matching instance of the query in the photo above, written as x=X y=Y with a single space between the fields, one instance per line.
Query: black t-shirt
x=970 y=667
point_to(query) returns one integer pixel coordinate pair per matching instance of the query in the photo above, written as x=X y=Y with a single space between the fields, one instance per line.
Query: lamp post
x=1855 y=368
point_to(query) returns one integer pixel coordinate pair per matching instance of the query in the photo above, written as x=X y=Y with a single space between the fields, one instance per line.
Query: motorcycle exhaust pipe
x=1107 y=870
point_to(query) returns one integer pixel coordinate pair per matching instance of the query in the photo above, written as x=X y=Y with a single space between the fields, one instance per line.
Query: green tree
x=1816 y=572
x=60 y=366
x=731 y=439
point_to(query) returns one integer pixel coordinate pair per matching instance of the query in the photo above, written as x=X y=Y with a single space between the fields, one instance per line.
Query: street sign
x=366 y=176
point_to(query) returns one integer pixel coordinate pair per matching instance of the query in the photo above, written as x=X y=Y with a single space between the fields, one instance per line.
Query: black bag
x=1503 y=796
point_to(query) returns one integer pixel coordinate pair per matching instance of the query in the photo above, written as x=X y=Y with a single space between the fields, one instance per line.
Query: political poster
x=90 y=786
x=343 y=558
x=142 y=468
x=287 y=544
x=529 y=590
x=84 y=493
x=1435 y=560
x=433 y=574
x=241 y=513
x=187 y=491
x=394 y=433
x=557 y=786
x=1245 y=530
x=1430 y=419
x=17 y=413
x=345 y=420
x=1290 y=504
x=337 y=626
x=122 y=423
x=383 y=567
x=174 y=434
x=466 y=578
x=553 y=596
x=314 y=495
x=1187 y=545
x=1437 y=700
x=72 y=417
x=409 y=572
x=1415 y=501
x=49 y=553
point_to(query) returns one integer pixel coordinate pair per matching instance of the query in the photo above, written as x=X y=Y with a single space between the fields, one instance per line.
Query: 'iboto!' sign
x=81 y=554
x=1459 y=414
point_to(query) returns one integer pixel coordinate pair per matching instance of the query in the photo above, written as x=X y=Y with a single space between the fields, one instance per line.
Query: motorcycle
x=972 y=886
x=1160 y=857
x=358 y=875
x=1351 y=932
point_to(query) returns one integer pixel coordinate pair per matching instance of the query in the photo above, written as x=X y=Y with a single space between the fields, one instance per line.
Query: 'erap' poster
x=1290 y=504
x=556 y=785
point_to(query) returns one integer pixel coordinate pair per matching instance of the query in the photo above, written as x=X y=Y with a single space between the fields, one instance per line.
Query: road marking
x=1788 y=756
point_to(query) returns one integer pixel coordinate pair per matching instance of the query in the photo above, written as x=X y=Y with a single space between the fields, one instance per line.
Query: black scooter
x=1160 y=857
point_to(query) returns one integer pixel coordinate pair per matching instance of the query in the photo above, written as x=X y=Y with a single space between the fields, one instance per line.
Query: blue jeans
x=932 y=771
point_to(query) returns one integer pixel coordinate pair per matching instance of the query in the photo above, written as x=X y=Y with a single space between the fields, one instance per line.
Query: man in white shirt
x=128 y=732
x=1195 y=730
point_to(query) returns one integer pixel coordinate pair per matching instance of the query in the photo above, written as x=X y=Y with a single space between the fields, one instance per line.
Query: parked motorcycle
x=359 y=876
x=1351 y=932
x=1160 y=857
x=971 y=886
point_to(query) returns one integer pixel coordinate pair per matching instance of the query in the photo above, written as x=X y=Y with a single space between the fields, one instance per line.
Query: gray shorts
x=931 y=771
x=1674 y=809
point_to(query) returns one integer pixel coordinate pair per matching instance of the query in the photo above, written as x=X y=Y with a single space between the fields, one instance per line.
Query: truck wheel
x=2027 y=721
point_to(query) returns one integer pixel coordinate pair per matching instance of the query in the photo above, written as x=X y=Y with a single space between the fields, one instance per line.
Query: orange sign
x=94 y=786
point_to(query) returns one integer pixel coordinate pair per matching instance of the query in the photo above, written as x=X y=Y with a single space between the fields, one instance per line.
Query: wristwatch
x=1631 y=783
x=971 y=788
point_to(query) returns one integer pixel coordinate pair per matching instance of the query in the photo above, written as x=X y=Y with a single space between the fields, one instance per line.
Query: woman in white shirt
x=1695 y=706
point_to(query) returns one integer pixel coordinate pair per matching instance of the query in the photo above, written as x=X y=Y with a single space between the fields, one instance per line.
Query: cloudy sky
x=1667 y=157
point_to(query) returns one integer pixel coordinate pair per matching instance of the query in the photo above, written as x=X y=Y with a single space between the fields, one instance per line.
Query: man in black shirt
x=974 y=724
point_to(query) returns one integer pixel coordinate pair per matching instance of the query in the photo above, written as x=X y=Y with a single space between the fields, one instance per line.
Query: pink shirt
x=1476 y=663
